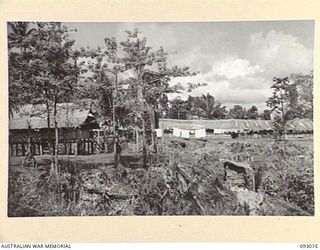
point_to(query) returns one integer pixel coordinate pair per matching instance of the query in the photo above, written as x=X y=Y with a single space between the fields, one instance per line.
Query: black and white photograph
x=160 y=118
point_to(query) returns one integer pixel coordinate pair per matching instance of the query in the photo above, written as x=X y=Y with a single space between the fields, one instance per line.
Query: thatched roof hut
x=30 y=126
x=68 y=116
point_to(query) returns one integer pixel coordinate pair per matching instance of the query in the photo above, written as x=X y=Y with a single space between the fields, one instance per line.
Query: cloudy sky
x=236 y=59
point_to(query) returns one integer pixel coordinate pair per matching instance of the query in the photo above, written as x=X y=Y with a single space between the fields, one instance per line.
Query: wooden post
x=66 y=148
x=76 y=148
x=23 y=149
x=99 y=139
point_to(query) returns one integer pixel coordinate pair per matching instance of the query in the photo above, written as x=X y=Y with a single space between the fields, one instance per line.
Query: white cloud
x=228 y=93
x=231 y=80
x=238 y=64
x=250 y=82
x=246 y=80
x=236 y=67
x=279 y=53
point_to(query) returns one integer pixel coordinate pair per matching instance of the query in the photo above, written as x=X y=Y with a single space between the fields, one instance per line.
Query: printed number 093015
x=308 y=245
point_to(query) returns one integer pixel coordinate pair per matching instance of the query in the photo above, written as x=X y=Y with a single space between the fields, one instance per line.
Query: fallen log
x=111 y=196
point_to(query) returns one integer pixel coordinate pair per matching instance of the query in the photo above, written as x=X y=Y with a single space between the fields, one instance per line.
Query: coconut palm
x=19 y=35
x=207 y=107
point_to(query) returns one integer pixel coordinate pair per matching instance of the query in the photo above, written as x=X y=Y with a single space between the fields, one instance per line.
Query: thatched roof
x=36 y=116
x=255 y=125
x=300 y=125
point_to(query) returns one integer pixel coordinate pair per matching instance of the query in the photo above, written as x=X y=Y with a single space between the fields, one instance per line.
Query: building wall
x=71 y=141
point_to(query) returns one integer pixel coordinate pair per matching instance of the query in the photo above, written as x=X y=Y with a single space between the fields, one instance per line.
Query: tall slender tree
x=152 y=76
x=50 y=75
x=279 y=103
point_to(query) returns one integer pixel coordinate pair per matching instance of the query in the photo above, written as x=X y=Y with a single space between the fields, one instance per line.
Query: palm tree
x=19 y=35
x=207 y=107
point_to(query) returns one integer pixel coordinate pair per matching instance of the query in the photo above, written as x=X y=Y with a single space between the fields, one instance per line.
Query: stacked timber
x=235 y=179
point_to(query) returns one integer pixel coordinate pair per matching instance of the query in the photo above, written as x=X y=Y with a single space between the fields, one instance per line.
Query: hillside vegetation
x=189 y=181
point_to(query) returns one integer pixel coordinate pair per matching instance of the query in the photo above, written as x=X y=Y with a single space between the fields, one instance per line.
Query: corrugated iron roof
x=217 y=124
x=256 y=125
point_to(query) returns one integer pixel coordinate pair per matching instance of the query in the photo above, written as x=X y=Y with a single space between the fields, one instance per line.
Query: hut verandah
x=75 y=135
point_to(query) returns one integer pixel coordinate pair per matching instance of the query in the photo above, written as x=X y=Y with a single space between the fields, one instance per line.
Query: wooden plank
x=236 y=177
x=236 y=182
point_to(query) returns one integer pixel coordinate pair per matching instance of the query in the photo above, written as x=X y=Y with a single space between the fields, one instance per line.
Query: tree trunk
x=56 y=131
x=283 y=121
x=48 y=114
x=142 y=107
x=115 y=151
x=50 y=146
x=153 y=126
x=144 y=149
